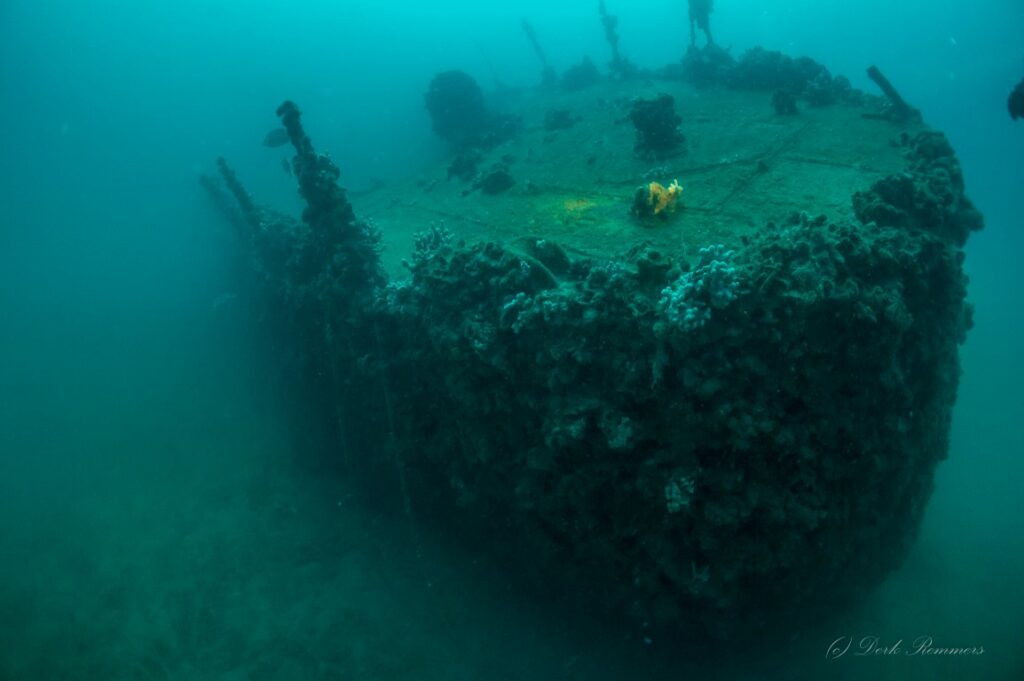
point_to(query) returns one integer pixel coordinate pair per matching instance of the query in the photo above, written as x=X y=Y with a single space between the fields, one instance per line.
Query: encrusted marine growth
x=340 y=244
x=655 y=199
x=461 y=117
x=716 y=448
x=496 y=180
x=619 y=66
x=657 y=127
x=320 y=279
x=711 y=284
x=702 y=446
x=1015 y=103
x=770 y=71
x=581 y=76
x=760 y=69
x=784 y=103
x=929 y=195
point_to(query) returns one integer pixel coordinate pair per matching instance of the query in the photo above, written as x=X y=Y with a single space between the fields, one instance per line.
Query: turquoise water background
x=153 y=524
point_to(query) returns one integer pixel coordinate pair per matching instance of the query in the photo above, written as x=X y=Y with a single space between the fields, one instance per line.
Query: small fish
x=278 y=137
x=286 y=165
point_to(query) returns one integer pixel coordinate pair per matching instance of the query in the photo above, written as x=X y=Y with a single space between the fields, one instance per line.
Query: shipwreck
x=711 y=416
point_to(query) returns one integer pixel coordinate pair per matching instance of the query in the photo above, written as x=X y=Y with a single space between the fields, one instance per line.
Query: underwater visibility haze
x=511 y=340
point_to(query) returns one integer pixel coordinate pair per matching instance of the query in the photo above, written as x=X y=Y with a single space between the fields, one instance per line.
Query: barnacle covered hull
x=772 y=457
x=731 y=422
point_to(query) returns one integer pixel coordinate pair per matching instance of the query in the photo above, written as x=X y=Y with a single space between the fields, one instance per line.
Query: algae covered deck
x=741 y=166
